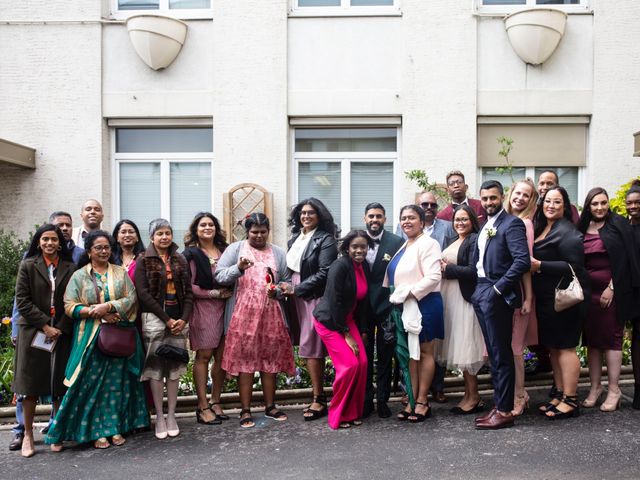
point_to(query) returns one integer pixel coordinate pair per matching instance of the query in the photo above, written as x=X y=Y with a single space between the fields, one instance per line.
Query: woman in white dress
x=463 y=344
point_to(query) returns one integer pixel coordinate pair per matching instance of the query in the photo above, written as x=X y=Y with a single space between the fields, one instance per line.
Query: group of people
x=103 y=323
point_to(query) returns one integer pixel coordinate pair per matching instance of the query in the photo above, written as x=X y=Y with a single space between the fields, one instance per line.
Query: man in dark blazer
x=381 y=331
x=501 y=258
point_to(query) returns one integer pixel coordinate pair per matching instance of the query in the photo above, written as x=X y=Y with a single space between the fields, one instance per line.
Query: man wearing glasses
x=457 y=190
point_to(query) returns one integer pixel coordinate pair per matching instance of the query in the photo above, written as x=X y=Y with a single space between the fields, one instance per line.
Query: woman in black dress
x=633 y=212
x=557 y=250
x=610 y=259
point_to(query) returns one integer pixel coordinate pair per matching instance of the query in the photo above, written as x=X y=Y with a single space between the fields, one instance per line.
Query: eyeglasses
x=461 y=220
x=101 y=248
x=429 y=205
x=453 y=183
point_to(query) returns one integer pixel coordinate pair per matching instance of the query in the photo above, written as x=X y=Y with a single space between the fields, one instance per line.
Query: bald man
x=92 y=216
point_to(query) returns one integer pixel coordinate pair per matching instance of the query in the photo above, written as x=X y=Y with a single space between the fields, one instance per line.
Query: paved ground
x=595 y=446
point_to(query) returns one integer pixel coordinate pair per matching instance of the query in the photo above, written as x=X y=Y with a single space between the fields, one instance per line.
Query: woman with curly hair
x=312 y=249
x=204 y=245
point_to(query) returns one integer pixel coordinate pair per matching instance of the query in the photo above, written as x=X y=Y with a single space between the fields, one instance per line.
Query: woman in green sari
x=104 y=396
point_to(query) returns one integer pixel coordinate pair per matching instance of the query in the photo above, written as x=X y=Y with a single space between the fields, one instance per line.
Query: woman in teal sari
x=104 y=396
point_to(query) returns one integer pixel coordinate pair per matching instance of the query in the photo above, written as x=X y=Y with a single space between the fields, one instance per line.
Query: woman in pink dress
x=340 y=315
x=129 y=246
x=257 y=335
x=204 y=244
x=521 y=202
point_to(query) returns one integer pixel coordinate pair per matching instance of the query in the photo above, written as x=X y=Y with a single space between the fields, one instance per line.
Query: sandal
x=356 y=423
x=221 y=416
x=310 y=414
x=216 y=420
x=403 y=415
x=246 y=421
x=118 y=440
x=420 y=417
x=556 y=414
x=56 y=447
x=101 y=443
x=344 y=425
x=545 y=407
x=272 y=412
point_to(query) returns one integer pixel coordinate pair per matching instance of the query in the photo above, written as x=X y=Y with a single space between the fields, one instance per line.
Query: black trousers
x=496 y=322
x=383 y=358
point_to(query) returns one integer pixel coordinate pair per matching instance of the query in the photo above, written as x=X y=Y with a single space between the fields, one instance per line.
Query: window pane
x=367 y=3
x=179 y=4
x=140 y=194
x=568 y=178
x=161 y=140
x=346 y=139
x=557 y=2
x=504 y=2
x=321 y=180
x=318 y=3
x=371 y=182
x=138 y=5
x=489 y=173
x=190 y=194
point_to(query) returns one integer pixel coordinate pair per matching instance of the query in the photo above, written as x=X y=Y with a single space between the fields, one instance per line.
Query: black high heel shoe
x=221 y=416
x=310 y=414
x=545 y=407
x=215 y=421
x=557 y=414
x=420 y=417
x=478 y=407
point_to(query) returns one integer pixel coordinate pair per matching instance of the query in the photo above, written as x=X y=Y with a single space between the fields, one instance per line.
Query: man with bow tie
x=381 y=336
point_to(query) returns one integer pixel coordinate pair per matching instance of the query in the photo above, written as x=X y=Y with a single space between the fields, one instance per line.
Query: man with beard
x=381 y=331
x=92 y=216
x=501 y=258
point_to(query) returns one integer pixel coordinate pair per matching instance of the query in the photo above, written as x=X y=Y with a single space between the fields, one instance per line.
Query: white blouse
x=294 y=255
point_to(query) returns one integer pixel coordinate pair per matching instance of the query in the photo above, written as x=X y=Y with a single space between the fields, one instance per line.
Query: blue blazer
x=506 y=257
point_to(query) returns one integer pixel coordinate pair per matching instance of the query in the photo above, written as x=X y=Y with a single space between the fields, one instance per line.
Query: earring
x=59 y=248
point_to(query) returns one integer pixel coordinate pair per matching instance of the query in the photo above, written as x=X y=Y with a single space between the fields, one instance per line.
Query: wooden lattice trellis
x=240 y=201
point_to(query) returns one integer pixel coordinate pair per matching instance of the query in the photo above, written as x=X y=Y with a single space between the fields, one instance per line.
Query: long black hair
x=117 y=251
x=540 y=221
x=34 y=247
x=191 y=236
x=89 y=240
x=475 y=224
x=586 y=216
x=325 y=219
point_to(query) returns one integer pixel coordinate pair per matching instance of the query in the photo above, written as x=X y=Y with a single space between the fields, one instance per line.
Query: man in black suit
x=502 y=257
x=381 y=331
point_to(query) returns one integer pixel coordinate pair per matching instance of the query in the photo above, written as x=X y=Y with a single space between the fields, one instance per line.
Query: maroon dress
x=602 y=329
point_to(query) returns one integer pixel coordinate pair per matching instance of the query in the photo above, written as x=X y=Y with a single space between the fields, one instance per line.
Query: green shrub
x=617 y=202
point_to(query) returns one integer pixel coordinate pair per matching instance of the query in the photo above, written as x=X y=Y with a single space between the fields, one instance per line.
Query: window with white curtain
x=185 y=9
x=347 y=168
x=163 y=172
x=567 y=176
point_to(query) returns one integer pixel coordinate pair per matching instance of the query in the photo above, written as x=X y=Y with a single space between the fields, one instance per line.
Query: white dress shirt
x=294 y=255
x=372 y=253
x=482 y=243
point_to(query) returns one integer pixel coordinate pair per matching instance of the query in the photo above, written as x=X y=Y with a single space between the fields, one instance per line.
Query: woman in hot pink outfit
x=339 y=317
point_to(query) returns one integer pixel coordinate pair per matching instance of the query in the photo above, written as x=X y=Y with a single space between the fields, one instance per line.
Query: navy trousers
x=496 y=322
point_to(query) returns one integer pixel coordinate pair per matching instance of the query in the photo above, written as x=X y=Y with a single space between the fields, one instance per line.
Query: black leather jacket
x=321 y=251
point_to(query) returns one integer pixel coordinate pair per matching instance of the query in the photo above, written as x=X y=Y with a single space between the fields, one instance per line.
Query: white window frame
x=346 y=159
x=163 y=9
x=165 y=160
x=344 y=10
x=479 y=7
x=530 y=172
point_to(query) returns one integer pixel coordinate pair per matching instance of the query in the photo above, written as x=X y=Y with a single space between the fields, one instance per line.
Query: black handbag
x=172 y=352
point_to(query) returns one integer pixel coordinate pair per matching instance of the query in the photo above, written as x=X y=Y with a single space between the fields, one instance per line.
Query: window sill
x=503 y=12
x=325 y=12
x=180 y=15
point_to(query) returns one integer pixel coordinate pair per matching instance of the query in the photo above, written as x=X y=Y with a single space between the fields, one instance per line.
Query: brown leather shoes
x=495 y=421
x=486 y=416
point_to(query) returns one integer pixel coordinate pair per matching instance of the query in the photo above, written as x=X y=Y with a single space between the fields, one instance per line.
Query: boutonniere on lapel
x=386 y=257
x=491 y=232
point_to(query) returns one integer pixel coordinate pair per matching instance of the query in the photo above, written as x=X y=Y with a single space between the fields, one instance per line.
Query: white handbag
x=570 y=296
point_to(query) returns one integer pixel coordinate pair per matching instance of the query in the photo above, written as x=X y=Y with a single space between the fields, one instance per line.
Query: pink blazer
x=419 y=267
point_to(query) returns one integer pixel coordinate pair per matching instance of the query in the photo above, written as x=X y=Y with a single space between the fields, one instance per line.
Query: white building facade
x=330 y=98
